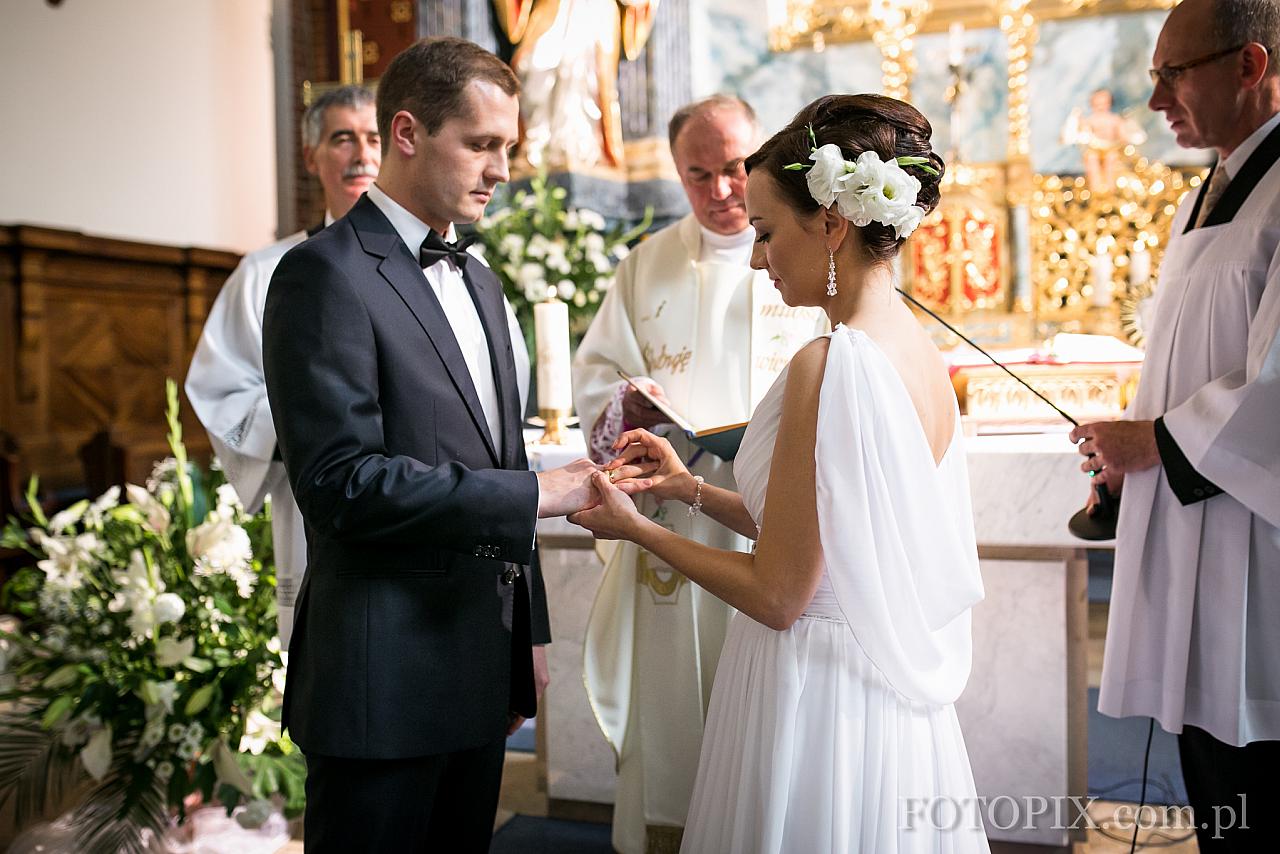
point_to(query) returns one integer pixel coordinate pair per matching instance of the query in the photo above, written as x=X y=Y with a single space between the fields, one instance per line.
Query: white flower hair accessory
x=868 y=189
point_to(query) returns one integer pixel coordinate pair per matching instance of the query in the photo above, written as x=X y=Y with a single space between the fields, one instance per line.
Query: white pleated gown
x=840 y=734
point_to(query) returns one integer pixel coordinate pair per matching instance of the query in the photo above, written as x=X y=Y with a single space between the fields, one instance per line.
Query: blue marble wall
x=1071 y=59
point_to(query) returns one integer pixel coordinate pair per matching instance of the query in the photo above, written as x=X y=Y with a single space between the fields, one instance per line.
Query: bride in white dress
x=832 y=726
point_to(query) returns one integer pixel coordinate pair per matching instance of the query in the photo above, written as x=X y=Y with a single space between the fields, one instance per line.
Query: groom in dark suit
x=392 y=385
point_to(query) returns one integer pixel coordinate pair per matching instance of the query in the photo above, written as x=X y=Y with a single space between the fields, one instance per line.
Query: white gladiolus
x=260 y=731
x=221 y=546
x=64 y=520
x=156 y=515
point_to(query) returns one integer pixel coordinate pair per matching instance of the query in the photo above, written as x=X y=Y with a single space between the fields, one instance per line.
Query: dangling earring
x=831 y=273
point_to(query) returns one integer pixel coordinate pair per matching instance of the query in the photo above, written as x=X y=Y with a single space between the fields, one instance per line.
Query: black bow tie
x=435 y=247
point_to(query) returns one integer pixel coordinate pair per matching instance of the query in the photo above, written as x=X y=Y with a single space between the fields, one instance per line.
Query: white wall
x=150 y=120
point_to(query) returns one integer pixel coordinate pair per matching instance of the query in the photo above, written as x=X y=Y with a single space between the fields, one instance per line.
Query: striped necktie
x=1213 y=193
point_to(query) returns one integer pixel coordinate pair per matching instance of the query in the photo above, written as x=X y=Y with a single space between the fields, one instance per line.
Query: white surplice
x=228 y=392
x=229 y=395
x=688 y=312
x=1193 y=636
x=839 y=734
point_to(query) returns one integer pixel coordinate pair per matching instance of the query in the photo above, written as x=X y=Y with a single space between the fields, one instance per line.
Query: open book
x=721 y=441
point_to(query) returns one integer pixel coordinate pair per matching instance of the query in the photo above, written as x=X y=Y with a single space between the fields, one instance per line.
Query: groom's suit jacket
x=414 y=513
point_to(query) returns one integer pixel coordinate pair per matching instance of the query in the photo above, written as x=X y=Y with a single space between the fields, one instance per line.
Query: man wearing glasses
x=1194 y=638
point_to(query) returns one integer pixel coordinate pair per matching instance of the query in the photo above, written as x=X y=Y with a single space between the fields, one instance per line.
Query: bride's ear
x=835 y=227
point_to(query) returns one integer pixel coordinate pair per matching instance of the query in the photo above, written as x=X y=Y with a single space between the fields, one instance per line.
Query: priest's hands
x=648 y=463
x=638 y=412
x=1116 y=447
x=1114 y=483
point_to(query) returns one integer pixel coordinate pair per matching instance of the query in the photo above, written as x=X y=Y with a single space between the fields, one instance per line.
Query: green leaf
x=922 y=162
x=33 y=502
x=813 y=139
x=57 y=711
x=797 y=167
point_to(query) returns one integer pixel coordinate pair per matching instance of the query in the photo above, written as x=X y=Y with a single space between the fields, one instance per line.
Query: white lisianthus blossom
x=600 y=261
x=556 y=259
x=826 y=176
x=565 y=288
x=621 y=251
x=572 y=221
x=591 y=219
x=594 y=243
x=170 y=652
x=218 y=545
x=867 y=190
x=156 y=515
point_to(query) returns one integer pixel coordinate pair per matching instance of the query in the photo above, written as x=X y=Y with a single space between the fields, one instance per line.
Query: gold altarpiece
x=1012 y=257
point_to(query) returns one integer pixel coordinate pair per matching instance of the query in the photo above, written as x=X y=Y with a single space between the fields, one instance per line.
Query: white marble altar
x=1024 y=712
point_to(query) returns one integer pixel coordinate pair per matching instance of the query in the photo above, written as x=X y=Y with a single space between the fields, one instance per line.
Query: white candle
x=551 y=332
x=1139 y=265
x=1102 y=272
x=955 y=44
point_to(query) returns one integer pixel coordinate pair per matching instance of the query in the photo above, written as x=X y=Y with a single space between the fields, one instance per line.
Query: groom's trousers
x=441 y=803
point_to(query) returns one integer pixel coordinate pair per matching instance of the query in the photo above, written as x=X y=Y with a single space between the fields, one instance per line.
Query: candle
x=1139 y=265
x=955 y=44
x=1102 y=285
x=551 y=332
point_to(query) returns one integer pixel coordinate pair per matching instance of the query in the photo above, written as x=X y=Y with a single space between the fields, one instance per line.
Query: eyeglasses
x=1169 y=74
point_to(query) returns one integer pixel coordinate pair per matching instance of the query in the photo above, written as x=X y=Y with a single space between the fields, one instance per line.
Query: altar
x=1024 y=711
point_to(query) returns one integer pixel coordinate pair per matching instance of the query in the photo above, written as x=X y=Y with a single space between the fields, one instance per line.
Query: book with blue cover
x=722 y=441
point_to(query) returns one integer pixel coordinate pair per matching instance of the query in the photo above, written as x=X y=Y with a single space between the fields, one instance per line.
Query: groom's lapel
x=403 y=273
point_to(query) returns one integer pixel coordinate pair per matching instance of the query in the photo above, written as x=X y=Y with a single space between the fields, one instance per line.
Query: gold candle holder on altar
x=554 y=423
x=555 y=378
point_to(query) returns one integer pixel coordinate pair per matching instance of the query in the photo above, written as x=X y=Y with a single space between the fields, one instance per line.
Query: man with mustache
x=1193 y=635
x=391 y=372
x=698 y=327
x=341 y=147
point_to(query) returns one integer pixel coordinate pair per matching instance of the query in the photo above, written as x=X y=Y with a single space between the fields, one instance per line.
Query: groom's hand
x=567 y=489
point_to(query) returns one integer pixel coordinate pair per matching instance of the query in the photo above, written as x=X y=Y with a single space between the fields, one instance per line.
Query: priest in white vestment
x=692 y=321
x=1193 y=639
x=225 y=384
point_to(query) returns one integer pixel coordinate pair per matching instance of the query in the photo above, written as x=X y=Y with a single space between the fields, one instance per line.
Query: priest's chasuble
x=714 y=334
x=1194 y=632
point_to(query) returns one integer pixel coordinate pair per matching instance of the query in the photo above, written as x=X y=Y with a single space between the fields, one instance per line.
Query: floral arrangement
x=867 y=189
x=147 y=665
x=539 y=248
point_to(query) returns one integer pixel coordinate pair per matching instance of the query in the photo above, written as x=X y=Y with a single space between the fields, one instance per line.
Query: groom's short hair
x=429 y=79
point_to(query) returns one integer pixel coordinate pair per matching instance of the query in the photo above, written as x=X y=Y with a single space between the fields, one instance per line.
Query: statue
x=1102 y=136
x=567 y=61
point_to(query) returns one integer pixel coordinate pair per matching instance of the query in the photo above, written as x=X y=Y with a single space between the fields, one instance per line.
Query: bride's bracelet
x=696 y=507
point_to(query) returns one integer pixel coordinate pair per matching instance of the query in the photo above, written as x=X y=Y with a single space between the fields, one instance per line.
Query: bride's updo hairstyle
x=856 y=123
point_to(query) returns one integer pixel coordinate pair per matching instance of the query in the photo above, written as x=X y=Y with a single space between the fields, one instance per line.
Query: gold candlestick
x=553 y=431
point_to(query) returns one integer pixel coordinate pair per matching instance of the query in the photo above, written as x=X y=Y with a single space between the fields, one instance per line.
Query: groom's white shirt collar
x=411 y=229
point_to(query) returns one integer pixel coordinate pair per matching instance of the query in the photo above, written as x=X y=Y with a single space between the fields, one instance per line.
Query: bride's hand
x=615 y=517
x=648 y=463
